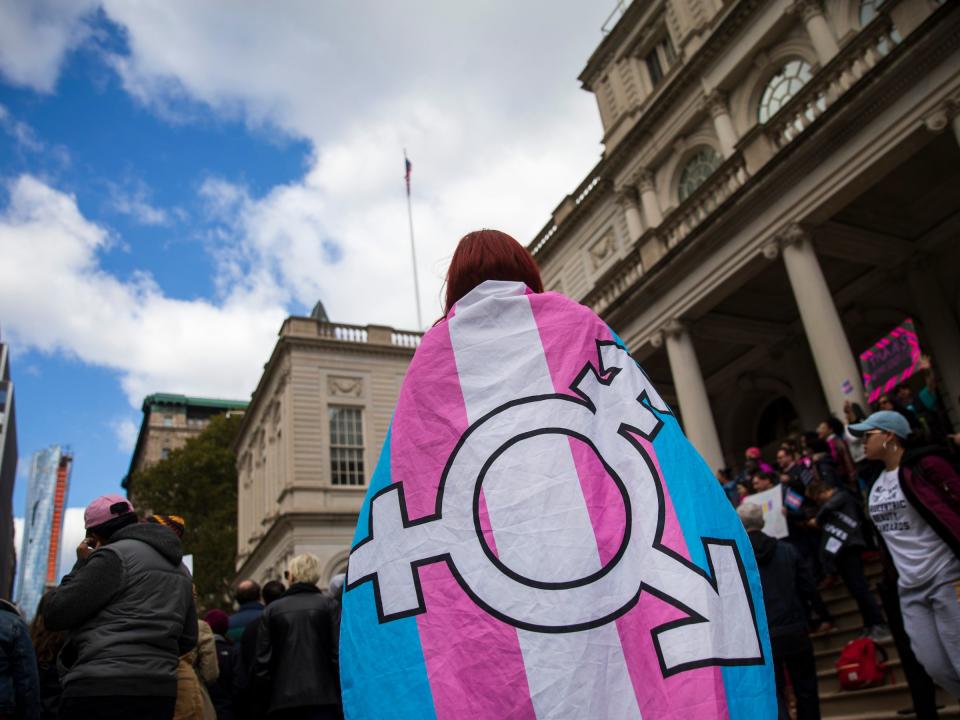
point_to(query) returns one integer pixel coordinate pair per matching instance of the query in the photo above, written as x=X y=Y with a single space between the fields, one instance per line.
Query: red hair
x=489 y=255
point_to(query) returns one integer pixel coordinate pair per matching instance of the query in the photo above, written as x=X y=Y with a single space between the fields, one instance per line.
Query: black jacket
x=19 y=685
x=786 y=582
x=130 y=612
x=298 y=649
x=840 y=520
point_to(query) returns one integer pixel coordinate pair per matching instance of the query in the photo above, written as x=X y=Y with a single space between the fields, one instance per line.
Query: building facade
x=43 y=525
x=779 y=187
x=170 y=420
x=8 y=474
x=310 y=439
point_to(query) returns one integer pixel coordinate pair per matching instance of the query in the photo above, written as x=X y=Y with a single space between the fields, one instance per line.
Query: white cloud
x=22 y=134
x=73 y=533
x=126 y=431
x=35 y=35
x=154 y=341
x=133 y=199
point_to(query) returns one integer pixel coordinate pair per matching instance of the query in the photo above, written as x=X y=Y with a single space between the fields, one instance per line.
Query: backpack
x=859 y=667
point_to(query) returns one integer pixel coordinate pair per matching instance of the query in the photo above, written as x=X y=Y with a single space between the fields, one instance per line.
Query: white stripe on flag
x=534 y=500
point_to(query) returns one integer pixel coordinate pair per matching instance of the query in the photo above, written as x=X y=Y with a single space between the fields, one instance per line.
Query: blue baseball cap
x=886 y=420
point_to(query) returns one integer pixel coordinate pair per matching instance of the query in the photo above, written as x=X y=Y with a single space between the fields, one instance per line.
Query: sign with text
x=890 y=361
x=771 y=502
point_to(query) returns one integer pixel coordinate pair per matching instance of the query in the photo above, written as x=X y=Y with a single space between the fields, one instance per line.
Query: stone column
x=940 y=332
x=691 y=391
x=821 y=36
x=722 y=123
x=648 y=197
x=821 y=322
x=627 y=199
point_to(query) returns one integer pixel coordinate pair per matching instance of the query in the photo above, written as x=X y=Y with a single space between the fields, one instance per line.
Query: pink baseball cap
x=105 y=508
x=754 y=452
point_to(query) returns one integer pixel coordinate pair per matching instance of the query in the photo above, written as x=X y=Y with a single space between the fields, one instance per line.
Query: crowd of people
x=879 y=487
x=121 y=636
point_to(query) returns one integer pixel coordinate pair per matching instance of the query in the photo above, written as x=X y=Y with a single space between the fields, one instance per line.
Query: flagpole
x=413 y=246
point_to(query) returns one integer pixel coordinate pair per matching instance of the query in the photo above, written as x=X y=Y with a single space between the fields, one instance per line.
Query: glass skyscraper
x=42 y=525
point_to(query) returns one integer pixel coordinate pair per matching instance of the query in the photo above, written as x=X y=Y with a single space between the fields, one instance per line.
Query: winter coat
x=245 y=615
x=129 y=609
x=786 y=582
x=298 y=649
x=195 y=670
x=221 y=691
x=19 y=683
x=839 y=521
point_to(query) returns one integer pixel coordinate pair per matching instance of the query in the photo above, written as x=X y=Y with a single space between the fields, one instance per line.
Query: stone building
x=310 y=439
x=170 y=420
x=779 y=187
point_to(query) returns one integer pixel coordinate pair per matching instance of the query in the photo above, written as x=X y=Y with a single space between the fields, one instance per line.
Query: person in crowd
x=729 y=485
x=19 y=682
x=799 y=510
x=822 y=465
x=831 y=431
x=197 y=670
x=221 y=692
x=129 y=607
x=248 y=703
x=298 y=647
x=743 y=489
x=764 y=481
x=924 y=404
x=754 y=454
x=915 y=506
x=842 y=544
x=787 y=583
x=47 y=644
x=248 y=611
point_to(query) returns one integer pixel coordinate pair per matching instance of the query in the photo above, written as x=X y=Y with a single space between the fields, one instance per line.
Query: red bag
x=859 y=665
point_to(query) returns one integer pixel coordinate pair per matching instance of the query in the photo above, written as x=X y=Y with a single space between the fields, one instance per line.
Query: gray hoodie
x=130 y=612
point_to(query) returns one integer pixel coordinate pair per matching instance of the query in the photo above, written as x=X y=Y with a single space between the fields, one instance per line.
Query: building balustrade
x=857 y=59
x=364 y=334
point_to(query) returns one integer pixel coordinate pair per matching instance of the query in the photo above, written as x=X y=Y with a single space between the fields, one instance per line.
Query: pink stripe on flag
x=563 y=327
x=461 y=642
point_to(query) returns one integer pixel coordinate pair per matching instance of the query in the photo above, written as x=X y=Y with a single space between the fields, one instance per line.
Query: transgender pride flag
x=540 y=540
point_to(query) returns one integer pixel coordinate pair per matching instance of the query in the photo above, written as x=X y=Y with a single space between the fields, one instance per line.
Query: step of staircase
x=951 y=711
x=872 y=702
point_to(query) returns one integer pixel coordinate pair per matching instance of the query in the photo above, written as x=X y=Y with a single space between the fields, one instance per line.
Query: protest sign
x=771 y=502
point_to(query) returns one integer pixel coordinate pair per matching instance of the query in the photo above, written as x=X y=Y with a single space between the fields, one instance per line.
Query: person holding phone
x=128 y=605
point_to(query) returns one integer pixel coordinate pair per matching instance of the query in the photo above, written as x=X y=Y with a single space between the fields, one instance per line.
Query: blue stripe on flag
x=382 y=671
x=746 y=686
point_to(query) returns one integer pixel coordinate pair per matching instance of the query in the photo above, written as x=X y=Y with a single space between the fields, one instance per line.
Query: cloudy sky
x=177 y=177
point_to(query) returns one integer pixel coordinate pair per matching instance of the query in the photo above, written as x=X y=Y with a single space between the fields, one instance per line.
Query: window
x=168 y=420
x=782 y=87
x=164 y=453
x=660 y=60
x=697 y=170
x=346 y=446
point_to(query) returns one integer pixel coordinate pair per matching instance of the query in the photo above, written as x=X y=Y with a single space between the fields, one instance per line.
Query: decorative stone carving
x=938 y=120
x=627 y=198
x=602 y=250
x=771 y=249
x=793 y=233
x=716 y=104
x=344 y=386
x=805 y=9
x=644 y=179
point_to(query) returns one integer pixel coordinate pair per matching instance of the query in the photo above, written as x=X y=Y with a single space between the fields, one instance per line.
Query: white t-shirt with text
x=919 y=554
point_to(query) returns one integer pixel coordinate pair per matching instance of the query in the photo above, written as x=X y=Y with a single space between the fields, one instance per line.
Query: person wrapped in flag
x=539 y=539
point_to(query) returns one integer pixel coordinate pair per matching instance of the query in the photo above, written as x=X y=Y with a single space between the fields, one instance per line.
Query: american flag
x=408 y=167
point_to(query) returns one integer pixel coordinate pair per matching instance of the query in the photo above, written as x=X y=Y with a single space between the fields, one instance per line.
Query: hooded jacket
x=19 y=686
x=130 y=612
x=932 y=487
x=839 y=519
x=786 y=583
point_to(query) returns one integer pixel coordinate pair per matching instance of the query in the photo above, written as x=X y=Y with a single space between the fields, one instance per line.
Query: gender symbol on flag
x=613 y=403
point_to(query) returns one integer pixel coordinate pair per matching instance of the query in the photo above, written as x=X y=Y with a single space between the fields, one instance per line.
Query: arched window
x=697 y=170
x=782 y=87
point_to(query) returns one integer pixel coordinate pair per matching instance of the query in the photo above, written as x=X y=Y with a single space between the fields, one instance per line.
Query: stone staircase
x=879 y=703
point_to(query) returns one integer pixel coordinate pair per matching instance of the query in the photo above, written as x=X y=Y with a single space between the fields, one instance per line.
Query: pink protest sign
x=891 y=360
